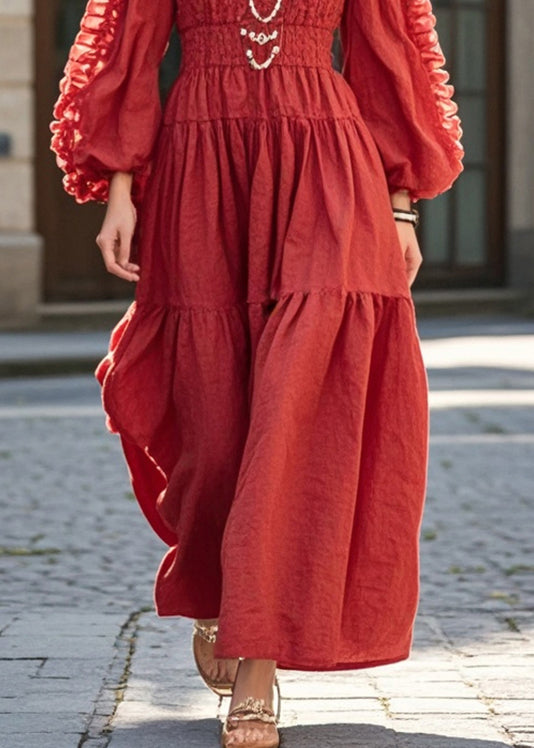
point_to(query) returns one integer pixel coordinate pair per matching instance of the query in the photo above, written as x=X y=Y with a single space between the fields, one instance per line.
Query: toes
x=249 y=735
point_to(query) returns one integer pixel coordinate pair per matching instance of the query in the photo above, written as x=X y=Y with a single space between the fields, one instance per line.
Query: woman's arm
x=115 y=237
x=393 y=62
x=108 y=113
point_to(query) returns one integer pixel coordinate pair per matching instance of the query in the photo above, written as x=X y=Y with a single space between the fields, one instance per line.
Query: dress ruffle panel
x=308 y=462
x=326 y=514
x=133 y=366
x=174 y=387
x=394 y=64
x=277 y=181
x=108 y=111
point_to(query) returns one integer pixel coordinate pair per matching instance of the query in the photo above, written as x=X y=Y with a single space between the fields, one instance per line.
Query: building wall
x=520 y=141
x=20 y=248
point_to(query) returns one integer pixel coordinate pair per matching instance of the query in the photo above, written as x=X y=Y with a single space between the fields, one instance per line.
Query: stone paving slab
x=39 y=346
x=382 y=702
x=55 y=725
x=41 y=740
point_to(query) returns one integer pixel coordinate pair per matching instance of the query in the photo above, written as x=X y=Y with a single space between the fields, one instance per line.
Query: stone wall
x=20 y=247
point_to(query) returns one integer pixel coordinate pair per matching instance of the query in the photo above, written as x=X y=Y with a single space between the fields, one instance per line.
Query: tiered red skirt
x=267 y=383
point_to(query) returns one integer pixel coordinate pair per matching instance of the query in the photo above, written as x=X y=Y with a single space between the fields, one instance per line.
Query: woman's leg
x=255 y=679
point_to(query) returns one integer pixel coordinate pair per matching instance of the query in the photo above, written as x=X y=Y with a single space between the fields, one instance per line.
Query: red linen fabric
x=267 y=383
x=393 y=61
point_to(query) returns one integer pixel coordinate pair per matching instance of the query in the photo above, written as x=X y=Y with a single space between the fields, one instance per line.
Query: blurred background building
x=479 y=235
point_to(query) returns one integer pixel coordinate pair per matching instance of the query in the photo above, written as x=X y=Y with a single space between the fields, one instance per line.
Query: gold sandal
x=209 y=634
x=250 y=710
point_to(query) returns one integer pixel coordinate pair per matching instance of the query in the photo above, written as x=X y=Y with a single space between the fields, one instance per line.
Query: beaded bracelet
x=409 y=216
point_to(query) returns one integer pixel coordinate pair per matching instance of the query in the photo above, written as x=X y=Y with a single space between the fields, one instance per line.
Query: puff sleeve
x=108 y=111
x=393 y=62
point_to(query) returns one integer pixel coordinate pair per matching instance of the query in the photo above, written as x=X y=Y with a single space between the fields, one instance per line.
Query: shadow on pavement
x=204 y=733
x=372 y=736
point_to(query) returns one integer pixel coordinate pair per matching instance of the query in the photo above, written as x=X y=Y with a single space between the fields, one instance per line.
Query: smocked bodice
x=322 y=13
x=257 y=33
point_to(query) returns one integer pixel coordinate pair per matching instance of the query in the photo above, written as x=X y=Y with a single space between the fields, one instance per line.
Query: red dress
x=267 y=383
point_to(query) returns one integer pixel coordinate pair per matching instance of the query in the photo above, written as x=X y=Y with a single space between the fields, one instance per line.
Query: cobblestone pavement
x=84 y=660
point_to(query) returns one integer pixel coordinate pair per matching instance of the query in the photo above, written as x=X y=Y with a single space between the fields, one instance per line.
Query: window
x=461 y=232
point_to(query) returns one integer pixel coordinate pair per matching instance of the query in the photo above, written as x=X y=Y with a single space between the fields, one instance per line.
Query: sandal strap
x=250 y=709
x=208 y=633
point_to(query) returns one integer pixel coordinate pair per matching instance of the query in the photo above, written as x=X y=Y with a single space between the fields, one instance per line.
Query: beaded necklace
x=261 y=38
x=268 y=18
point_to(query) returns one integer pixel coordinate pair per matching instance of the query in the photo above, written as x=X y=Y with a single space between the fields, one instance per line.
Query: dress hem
x=357 y=665
x=287 y=664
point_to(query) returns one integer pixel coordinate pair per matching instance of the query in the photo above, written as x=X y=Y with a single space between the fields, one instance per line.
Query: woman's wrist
x=120 y=184
x=400 y=199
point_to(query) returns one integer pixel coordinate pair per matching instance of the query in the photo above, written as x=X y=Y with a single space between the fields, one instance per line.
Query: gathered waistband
x=226 y=44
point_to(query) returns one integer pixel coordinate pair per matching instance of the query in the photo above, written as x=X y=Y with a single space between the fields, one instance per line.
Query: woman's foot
x=251 y=722
x=218 y=674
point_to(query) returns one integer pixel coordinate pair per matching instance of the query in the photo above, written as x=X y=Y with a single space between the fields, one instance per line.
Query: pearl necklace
x=262 y=38
x=267 y=18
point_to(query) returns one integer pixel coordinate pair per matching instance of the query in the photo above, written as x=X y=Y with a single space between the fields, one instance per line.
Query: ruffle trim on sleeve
x=87 y=57
x=421 y=27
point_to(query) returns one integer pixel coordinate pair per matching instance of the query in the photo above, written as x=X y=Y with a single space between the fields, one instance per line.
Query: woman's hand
x=115 y=237
x=407 y=236
x=410 y=247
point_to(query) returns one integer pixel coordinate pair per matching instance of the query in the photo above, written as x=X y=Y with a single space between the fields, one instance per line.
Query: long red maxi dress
x=267 y=382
